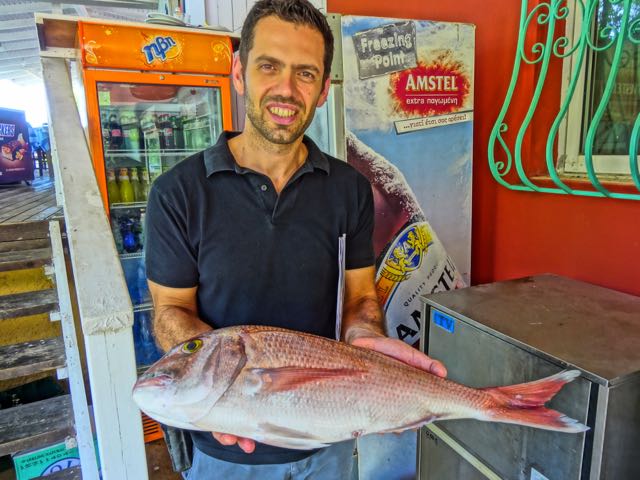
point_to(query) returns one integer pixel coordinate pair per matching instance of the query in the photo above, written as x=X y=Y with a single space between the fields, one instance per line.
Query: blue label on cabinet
x=443 y=321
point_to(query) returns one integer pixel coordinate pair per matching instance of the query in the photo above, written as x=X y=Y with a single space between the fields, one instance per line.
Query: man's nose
x=286 y=84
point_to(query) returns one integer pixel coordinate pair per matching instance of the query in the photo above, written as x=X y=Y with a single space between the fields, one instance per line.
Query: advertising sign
x=152 y=48
x=408 y=88
x=15 y=152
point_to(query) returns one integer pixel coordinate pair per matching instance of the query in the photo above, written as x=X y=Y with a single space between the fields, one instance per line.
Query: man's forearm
x=173 y=325
x=362 y=318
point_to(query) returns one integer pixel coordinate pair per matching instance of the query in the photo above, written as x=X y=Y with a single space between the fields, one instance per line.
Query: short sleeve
x=359 y=247
x=170 y=259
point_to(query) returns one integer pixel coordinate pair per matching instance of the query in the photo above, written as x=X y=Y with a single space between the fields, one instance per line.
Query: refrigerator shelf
x=121 y=206
x=128 y=153
x=127 y=256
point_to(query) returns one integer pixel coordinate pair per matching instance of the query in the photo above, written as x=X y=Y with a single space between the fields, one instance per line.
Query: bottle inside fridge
x=146 y=130
x=153 y=128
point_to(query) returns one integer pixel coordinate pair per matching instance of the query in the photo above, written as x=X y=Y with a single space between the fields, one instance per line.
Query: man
x=246 y=232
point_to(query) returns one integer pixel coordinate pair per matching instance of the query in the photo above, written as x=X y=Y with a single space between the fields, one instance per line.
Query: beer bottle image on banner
x=410 y=259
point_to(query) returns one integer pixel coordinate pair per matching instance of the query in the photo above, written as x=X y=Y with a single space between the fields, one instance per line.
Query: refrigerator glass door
x=145 y=130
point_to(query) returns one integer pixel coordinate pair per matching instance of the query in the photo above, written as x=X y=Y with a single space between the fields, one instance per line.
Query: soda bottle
x=130 y=133
x=106 y=131
x=197 y=135
x=167 y=132
x=126 y=190
x=141 y=230
x=117 y=235
x=144 y=181
x=129 y=241
x=158 y=124
x=138 y=193
x=176 y=124
x=115 y=133
x=113 y=191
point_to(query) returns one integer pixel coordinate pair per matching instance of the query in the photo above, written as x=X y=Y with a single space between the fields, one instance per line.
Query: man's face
x=282 y=81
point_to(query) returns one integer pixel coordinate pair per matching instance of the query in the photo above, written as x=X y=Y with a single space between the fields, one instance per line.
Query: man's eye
x=267 y=67
x=308 y=75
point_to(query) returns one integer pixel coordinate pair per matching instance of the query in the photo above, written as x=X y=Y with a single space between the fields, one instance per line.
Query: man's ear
x=237 y=72
x=325 y=92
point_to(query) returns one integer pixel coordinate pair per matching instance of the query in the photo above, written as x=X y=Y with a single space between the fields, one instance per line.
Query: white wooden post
x=84 y=435
x=105 y=308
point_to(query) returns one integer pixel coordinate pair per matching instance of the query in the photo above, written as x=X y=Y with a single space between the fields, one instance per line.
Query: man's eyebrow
x=267 y=58
x=275 y=61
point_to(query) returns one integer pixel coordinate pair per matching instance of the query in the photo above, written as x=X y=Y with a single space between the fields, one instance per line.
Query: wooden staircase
x=38 y=424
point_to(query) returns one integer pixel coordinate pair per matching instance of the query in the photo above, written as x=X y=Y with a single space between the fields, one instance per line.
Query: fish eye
x=192 y=346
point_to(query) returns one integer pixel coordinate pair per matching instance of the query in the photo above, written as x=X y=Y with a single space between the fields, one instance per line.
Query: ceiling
x=19 y=50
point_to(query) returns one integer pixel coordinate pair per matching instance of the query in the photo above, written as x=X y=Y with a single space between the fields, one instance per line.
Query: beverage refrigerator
x=154 y=96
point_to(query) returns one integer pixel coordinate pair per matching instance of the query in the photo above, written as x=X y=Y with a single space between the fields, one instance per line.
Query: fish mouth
x=155 y=381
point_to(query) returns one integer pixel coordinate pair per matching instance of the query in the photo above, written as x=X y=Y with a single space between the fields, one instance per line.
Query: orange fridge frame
x=92 y=76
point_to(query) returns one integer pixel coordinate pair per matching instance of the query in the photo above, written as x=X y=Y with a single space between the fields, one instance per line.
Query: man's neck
x=278 y=162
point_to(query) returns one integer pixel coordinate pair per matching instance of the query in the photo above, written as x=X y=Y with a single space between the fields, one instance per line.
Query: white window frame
x=571 y=161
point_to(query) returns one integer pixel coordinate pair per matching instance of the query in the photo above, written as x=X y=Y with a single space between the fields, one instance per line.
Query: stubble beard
x=280 y=134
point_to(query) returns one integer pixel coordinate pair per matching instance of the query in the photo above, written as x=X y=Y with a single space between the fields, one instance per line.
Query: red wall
x=517 y=233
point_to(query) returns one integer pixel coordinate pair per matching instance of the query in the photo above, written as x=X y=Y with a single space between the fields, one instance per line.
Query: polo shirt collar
x=218 y=158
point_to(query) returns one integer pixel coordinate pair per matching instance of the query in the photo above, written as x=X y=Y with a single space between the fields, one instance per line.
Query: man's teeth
x=282 y=112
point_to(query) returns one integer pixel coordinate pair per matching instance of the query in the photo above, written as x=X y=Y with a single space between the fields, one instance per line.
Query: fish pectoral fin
x=285 y=437
x=289 y=378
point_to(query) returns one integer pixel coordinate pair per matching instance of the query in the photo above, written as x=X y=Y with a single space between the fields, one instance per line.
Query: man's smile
x=282 y=112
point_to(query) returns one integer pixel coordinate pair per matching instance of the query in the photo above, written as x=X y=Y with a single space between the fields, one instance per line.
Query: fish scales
x=298 y=390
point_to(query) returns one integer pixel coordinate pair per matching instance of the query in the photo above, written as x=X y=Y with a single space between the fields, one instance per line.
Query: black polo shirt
x=258 y=258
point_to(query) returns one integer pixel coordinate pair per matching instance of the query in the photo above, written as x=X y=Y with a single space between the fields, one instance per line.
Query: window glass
x=614 y=132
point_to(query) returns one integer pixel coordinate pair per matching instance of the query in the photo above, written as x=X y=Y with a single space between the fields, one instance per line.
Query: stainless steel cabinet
x=525 y=329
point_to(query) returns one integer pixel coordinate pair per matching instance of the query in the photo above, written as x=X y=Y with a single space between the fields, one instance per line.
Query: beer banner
x=408 y=89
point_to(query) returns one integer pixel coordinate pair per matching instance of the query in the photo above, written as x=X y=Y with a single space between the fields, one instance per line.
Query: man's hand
x=399 y=350
x=246 y=444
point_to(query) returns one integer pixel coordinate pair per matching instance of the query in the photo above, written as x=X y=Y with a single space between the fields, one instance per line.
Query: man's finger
x=247 y=445
x=225 y=438
x=437 y=368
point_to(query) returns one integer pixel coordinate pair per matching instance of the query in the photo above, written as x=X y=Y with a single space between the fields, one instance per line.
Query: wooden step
x=20 y=260
x=27 y=358
x=24 y=231
x=35 y=424
x=28 y=303
x=73 y=473
x=18 y=245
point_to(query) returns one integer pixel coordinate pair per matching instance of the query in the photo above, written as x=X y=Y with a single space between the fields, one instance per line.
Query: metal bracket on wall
x=546 y=38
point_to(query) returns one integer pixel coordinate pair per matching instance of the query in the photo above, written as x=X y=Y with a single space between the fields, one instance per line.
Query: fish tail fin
x=523 y=404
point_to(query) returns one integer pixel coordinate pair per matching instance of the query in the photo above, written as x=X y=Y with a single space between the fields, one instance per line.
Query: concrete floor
x=158 y=463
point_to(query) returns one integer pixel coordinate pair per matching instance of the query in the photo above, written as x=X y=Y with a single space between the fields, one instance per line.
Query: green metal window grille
x=609 y=37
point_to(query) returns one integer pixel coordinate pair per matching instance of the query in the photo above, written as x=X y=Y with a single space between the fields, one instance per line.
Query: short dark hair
x=300 y=12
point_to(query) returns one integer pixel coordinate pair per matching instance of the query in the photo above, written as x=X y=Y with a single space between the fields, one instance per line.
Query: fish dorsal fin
x=289 y=378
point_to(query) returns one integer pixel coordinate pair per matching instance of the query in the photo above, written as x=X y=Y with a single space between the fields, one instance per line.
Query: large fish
x=296 y=390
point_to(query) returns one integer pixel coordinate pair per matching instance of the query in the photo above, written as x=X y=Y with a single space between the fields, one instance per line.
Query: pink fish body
x=296 y=390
